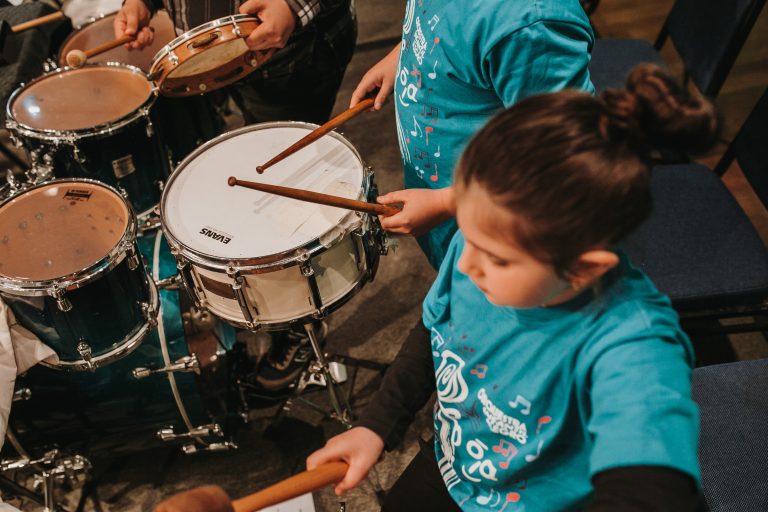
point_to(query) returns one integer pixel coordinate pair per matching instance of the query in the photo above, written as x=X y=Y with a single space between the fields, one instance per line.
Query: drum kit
x=121 y=256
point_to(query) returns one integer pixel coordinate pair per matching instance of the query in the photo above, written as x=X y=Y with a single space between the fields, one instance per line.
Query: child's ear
x=591 y=266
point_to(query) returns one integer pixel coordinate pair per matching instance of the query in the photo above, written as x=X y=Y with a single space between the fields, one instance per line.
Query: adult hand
x=133 y=19
x=277 y=23
x=423 y=209
x=382 y=77
x=359 y=447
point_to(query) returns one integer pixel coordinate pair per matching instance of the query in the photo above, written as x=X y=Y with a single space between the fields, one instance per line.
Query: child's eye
x=498 y=262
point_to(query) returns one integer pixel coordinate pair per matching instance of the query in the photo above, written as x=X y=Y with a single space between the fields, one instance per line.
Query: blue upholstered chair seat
x=733 y=443
x=613 y=59
x=698 y=246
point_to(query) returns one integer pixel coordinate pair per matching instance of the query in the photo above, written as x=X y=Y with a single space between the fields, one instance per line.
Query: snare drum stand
x=329 y=371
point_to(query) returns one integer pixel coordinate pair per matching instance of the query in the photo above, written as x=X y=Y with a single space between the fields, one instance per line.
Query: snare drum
x=94 y=122
x=71 y=272
x=172 y=386
x=258 y=260
x=100 y=30
x=208 y=57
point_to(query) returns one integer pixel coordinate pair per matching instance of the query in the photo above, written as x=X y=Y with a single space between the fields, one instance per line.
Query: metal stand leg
x=339 y=402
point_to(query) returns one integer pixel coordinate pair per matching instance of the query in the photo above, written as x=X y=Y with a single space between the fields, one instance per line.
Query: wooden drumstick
x=317 y=197
x=42 y=20
x=319 y=132
x=213 y=499
x=76 y=58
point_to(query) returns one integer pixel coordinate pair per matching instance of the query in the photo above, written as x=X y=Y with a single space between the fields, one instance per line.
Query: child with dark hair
x=562 y=374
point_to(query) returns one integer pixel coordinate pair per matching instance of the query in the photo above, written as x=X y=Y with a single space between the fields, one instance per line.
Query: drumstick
x=213 y=499
x=317 y=197
x=42 y=20
x=77 y=58
x=319 y=132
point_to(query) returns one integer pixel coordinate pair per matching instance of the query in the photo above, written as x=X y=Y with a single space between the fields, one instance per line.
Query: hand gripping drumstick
x=212 y=498
x=319 y=132
x=317 y=197
x=42 y=20
x=77 y=58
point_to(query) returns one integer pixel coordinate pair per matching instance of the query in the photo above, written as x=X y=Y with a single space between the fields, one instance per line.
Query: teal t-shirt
x=531 y=403
x=461 y=61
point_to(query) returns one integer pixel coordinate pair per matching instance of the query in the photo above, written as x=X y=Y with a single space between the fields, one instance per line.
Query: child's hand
x=423 y=209
x=382 y=77
x=359 y=447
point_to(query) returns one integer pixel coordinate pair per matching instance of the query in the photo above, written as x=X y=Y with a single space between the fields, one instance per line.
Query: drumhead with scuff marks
x=78 y=99
x=206 y=215
x=58 y=229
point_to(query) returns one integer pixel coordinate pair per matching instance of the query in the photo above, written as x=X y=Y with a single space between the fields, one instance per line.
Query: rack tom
x=71 y=272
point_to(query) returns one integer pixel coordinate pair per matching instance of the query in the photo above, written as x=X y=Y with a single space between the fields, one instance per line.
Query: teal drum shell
x=109 y=410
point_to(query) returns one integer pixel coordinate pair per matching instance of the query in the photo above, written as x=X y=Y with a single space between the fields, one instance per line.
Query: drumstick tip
x=232 y=181
x=260 y=169
x=76 y=58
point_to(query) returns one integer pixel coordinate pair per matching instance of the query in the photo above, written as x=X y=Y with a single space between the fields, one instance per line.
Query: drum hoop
x=267 y=263
x=193 y=33
x=65 y=136
x=79 y=278
x=122 y=350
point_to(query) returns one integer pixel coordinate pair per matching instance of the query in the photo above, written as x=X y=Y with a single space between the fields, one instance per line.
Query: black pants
x=420 y=488
x=300 y=82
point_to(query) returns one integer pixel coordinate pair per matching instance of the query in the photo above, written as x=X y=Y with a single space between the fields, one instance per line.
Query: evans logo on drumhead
x=74 y=194
x=216 y=235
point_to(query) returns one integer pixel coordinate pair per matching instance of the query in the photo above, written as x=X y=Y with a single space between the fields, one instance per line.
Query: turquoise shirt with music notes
x=461 y=61
x=532 y=403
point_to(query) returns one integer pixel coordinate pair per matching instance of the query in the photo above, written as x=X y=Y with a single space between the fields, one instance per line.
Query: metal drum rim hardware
x=122 y=350
x=71 y=136
x=267 y=263
x=78 y=279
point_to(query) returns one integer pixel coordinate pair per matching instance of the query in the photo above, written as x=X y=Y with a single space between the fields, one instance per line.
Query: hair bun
x=661 y=113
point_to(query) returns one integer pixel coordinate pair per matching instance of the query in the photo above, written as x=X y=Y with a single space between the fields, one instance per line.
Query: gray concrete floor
x=372 y=325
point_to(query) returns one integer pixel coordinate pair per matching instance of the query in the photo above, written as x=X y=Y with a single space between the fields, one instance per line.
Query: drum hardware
x=185 y=364
x=305 y=264
x=85 y=352
x=199 y=319
x=210 y=430
x=22 y=394
x=62 y=302
x=191 y=448
x=169 y=283
x=237 y=289
x=52 y=468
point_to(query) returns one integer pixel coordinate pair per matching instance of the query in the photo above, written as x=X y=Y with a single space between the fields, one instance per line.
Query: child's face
x=506 y=274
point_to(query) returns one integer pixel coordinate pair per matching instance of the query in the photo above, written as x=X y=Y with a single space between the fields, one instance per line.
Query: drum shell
x=109 y=411
x=127 y=159
x=105 y=313
x=281 y=294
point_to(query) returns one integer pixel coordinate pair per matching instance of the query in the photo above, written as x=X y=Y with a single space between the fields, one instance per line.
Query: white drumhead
x=206 y=215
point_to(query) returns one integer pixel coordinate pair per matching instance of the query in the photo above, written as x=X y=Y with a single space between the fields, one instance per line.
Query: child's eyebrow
x=486 y=251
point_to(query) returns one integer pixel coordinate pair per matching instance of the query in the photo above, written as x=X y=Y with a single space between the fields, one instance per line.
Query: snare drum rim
x=270 y=262
x=78 y=279
x=72 y=136
x=163 y=52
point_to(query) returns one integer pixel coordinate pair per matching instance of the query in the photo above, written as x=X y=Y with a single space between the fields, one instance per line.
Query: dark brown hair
x=575 y=167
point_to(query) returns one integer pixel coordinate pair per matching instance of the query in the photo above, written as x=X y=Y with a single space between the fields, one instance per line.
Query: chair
x=707 y=34
x=698 y=246
x=733 y=440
